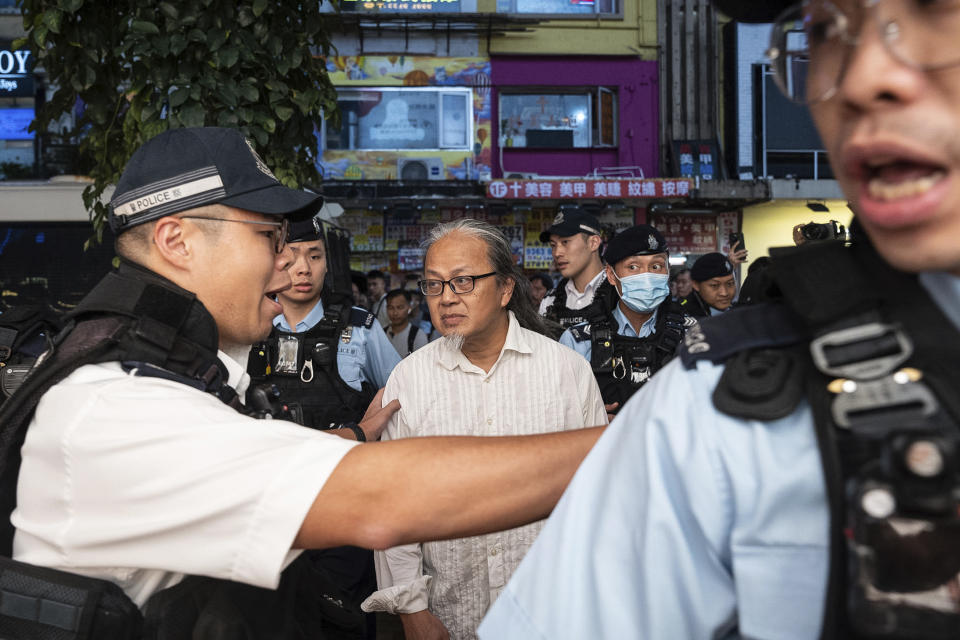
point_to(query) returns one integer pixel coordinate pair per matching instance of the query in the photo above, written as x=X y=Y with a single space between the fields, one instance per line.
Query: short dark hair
x=359 y=279
x=544 y=279
x=676 y=273
x=375 y=273
x=396 y=293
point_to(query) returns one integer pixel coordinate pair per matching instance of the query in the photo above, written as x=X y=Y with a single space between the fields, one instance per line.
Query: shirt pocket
x=780 y=590
x=350 y=358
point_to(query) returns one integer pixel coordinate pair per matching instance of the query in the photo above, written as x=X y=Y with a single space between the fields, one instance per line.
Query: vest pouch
x=38 y=603
x=214 y=609
x=905 y=579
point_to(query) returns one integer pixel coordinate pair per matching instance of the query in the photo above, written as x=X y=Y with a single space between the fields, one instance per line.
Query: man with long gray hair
x=492 y=373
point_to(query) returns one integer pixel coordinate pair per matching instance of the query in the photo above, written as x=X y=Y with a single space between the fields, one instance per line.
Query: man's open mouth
x=898 y=179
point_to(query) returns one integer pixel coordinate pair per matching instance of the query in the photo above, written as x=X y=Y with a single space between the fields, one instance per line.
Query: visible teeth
x=881 y=190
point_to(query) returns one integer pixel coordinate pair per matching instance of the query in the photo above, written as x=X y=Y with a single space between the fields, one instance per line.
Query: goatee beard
x=453 y=341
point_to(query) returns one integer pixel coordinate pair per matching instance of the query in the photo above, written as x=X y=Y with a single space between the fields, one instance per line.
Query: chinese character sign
x=586 y=188
x=687 y=234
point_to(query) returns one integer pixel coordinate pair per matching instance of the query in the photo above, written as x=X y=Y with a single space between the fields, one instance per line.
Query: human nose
x=872 y=76
x=284 y=259
x=447 y=296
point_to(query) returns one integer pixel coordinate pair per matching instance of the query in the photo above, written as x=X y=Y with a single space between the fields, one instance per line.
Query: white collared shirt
x=576 y=299
x=536 y=386
x=141 y=480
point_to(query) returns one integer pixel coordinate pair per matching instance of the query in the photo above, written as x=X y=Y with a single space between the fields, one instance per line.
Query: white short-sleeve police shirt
x=142 y=481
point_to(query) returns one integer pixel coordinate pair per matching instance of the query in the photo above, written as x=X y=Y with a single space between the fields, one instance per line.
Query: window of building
x=572 y=119
x=566 y=8
x=403 y=118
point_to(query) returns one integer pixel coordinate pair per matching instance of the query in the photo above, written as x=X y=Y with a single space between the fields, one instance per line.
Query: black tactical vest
x=566 y=318
x=156 y=329
x=623 y=364
x=303 y=367
x=879 y=363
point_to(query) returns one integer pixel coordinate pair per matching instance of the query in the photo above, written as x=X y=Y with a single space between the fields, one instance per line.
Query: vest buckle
x=866 y=351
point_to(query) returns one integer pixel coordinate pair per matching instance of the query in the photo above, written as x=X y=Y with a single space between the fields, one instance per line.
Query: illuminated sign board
x=401 y=6
x=576 y=188
x=16 y=72
x=14 y=123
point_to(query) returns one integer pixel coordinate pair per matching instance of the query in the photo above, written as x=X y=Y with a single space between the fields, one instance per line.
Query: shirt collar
x=516 y=340
x=309 y=321
x=237 y=376
x=626 y=328
x=591 y=286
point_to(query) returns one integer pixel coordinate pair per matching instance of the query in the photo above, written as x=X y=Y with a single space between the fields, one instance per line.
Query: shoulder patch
x=689 y=321
x=719 y=337
x=580 y=332
x=361 y=318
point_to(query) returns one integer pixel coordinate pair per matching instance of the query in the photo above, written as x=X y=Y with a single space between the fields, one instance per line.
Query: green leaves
x=142 y=68
x=144 y=27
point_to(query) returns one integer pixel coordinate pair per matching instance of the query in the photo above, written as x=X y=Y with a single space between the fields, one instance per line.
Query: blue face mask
x=645 y=291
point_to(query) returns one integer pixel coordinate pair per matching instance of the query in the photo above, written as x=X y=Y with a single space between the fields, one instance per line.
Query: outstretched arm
x=387 y=493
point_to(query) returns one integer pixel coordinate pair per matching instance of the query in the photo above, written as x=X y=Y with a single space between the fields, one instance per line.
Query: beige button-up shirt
x=536 y=386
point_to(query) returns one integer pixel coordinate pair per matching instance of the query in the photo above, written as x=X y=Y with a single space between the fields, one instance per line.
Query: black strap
x=855 y=304
x=411 y=337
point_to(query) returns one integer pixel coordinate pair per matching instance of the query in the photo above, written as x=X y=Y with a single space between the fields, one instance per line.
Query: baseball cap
x=641 y=240
x=187 y=168
x=711 y=265
x=304 y=231
x=570 y=221
x=756 y=11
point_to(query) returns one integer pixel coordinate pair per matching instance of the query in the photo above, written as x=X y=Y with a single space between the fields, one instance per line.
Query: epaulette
x=360 y=317
x=759 y=346
x=580 y=332
x=718 y=338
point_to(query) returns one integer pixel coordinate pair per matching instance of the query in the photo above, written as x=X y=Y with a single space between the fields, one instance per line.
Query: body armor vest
x=880 y=365
x=155 y=329
x=623 y=364
x=303 y=367
x=566 y=318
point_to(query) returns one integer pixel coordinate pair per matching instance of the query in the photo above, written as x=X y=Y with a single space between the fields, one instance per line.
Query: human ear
x=172 y=241
x=507 y=294
x=610 y=276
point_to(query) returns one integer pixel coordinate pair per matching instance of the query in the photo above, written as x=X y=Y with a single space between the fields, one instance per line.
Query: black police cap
x=570 y=221
x=753 y=11
x=641 y=240
x=187 y=168
x=304 y=230
x=711 y=265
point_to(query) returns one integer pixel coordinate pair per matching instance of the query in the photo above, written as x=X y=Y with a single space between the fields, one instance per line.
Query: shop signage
x=16 y=78
x=402 y=6
x=575 y=189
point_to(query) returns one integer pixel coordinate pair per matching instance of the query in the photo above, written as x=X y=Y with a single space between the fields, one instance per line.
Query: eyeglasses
x=279 y=233
x=460 y=284
x=811 y=43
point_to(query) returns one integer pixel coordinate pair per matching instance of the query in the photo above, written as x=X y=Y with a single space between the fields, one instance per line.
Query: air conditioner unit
x=421 y=169
x=521 y=175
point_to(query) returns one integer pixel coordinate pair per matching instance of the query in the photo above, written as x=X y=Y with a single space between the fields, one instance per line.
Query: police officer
x=794 y=474
x=638 y=328
x=714 y=286
x=137 y=483
x=575 y=241
x=327 y=391
x=328 y=361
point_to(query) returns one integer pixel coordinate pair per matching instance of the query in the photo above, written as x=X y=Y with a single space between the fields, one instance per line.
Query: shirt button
x=489 y=420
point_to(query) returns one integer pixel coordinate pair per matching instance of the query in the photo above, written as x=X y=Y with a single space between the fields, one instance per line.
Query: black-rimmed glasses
x=279 y=233
x=459 y=284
